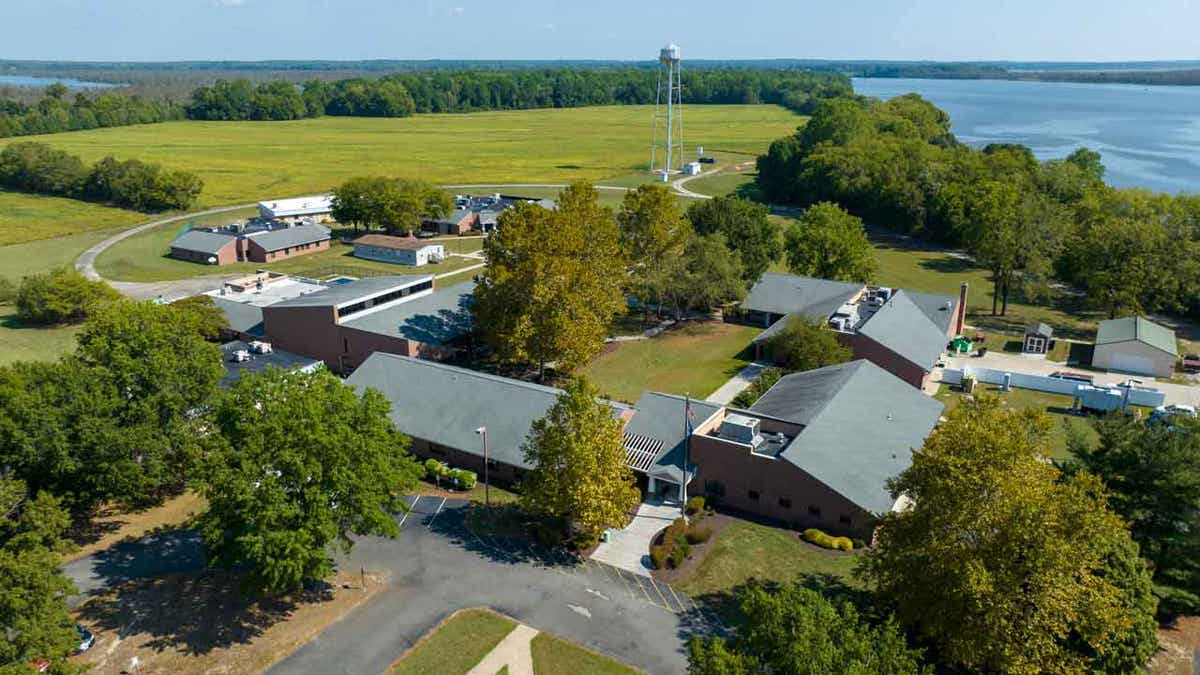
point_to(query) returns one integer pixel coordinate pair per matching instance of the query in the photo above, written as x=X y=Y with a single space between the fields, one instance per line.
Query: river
x=1149 y=136
x=69 y=82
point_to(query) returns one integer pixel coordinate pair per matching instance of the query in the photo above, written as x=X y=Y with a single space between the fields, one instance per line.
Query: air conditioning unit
x=740 y=429
x=260 y=347
x=239 y=356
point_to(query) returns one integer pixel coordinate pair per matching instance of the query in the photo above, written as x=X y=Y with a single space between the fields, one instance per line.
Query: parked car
x=1074 y=377
x=86 y=639
x=1191 y=363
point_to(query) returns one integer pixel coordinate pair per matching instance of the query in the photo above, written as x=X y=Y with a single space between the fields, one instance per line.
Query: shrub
x=550 y=535
x=463 y=479
x=819 y=538
x=61 y=295
x=843 y=543
x=436 y=470
x=680 y=550
x=695 y=505
x=858 y=543
x=658 y=556
x=698 y=535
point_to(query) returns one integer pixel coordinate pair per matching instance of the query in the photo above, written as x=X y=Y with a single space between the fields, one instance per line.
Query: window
x=714 y=488
x=844 y=520
x=814 y=511
x=785 y=502
x=753 y=495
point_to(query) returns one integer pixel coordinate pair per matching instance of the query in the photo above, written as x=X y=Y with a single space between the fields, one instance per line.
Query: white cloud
x=457 y=11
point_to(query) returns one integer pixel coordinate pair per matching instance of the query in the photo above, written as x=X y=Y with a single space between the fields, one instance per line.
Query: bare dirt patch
x=112 y=525
x=1177 y=648
x=187 y=624
x=714 y=521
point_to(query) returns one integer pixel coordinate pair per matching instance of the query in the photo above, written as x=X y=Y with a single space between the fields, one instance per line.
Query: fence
x=1143 y=397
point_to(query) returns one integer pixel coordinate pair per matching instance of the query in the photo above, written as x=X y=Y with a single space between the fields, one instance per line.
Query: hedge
x=819 y=538
x=440 y=471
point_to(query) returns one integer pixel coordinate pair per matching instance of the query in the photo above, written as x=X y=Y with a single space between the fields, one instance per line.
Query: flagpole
x=687 y=446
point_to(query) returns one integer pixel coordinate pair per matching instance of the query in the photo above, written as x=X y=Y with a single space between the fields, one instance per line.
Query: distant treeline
x=39 y=168
x=403 y=94
x=1148 y=77
x=55 y=112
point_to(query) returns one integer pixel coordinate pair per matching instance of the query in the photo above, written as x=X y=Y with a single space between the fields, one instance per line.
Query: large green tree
x=1152 y=474
x=553 y=281
x=796 y=630
x=829 y=243
x=296 y=464
x=391 y=204
x=579 y=473
x=748 y=231
x=653 y=234
x=61 y=295
x=1004 y=565
x=705 y=276
x=803 y=344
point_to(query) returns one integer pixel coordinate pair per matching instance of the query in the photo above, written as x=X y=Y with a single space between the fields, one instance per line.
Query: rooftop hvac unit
x=876 y=301
x=239 y=356
x=885 y=293
x=261 y=347
x=740 y=429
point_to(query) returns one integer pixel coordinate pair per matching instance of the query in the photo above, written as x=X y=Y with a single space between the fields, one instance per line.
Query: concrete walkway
x=629 y=548
x=738 y=383
x=513 y=651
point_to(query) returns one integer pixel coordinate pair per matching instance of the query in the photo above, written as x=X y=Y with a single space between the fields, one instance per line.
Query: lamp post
x=487 y=493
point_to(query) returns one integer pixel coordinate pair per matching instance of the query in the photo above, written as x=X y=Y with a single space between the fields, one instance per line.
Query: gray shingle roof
x=361 y=288
x=203 y=241
x=1137 y=328
x=861 y=424
x=433 y=319
x=903 y=327
x=934 y=307
x=277 y=240
x=444 y=404
x=788 y=294
x=1039 y=328
x=660 y=417
x=240 y=316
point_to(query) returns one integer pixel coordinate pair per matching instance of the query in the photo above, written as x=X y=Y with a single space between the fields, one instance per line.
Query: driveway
x=629 y=547
x=1031 y=365
x=437 y=566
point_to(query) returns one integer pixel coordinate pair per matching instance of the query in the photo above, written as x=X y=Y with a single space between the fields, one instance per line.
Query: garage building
x=1135 y=345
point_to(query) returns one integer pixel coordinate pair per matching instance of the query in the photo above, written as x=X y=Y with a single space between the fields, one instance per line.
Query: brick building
x=262 y=244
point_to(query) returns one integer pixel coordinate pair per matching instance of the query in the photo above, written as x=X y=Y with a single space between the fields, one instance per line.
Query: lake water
x=70 y=82
x=1149 y=136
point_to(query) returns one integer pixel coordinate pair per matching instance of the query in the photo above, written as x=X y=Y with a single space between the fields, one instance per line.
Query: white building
x=315 y=207
x=398 y=250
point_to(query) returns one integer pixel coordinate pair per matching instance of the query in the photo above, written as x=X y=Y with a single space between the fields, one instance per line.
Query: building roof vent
x=740 y=429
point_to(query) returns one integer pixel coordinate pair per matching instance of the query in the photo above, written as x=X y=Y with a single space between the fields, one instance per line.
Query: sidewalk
x=629 y=548
x=736 y=384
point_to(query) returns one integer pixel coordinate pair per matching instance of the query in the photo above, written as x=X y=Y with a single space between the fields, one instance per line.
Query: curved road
x=86 y=262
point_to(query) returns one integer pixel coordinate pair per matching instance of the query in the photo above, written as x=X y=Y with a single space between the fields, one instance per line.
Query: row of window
x=386 y=297
x=717 y=489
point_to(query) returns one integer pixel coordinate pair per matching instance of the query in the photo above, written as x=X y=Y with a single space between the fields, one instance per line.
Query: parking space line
x=677 y=600
x=638 y=581
x=411 y=507
x=435 y=513
x=625 y=582
x=660 y=593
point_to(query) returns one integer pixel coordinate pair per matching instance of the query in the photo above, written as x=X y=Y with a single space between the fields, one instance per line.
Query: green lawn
x=746 y=550
x=27 y=217
x=1058 y=406
x=554 y=656
x=720 y=184
x=456 y=645
x=695 y=359
x=19 y=342
x=19 y=260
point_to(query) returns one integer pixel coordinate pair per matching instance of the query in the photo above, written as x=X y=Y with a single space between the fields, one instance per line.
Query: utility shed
x=1137 y=345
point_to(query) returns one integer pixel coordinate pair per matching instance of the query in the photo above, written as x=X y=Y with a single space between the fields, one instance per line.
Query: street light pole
x=487 y=492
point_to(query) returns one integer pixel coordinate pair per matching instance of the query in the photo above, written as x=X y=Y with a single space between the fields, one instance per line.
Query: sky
x=1022 y=30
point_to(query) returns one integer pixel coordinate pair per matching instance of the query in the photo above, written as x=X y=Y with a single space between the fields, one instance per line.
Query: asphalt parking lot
x=437 y=566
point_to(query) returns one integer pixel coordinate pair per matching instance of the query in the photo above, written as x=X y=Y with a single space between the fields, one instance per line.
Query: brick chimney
x=961 y=311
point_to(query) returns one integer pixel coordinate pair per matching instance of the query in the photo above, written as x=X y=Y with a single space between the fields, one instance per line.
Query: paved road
x=437 y=566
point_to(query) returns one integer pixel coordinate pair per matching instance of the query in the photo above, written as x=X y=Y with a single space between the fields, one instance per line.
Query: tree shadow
x=507 y=543
x=441 y=327
x=192 y=613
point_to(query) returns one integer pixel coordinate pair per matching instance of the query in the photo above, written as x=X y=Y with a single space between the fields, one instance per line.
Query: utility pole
x=487 y=491
x=687 y=451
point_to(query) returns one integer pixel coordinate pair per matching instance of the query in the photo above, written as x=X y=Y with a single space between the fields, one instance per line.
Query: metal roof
x=241 y=317
x=861 y=424
x=445 y=405
x=203 y=241
x=1140 y=329
x=435 y=319
x=659 y=418
x=1039 y=328
x=287 y=237
x=789 y=294
x=398 y=243
x=903 y=327
x=297 y=206
x=339 y=294
x=259 y=362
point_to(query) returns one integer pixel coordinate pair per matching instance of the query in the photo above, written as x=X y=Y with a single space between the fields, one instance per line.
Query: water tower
x=668 y=115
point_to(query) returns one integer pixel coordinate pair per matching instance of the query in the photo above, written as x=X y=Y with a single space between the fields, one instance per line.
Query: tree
x=392 y=204
x=797 y=630
x=59 y=296
x=206 y=319
x=1152 y=474
x=552 y=282
x=579 y=469
x=705 y=276
x=653 y=232
x=299 y=463
x=747 y=229
x=804 y=344
x=1001 y=563
x=829 y=243
x=1090 y=162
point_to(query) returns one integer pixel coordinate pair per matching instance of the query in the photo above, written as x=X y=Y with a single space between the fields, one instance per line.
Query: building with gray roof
x=205 y=246
x=656 y=439
x=1135 y=344
x=274 y=240
x=777 y=295
x=240 y=357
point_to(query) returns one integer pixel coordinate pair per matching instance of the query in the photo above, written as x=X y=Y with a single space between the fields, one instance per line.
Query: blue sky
x=609 y=29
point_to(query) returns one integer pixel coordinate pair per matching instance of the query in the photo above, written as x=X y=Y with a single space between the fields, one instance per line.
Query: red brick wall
x=498 y=472
x=225 y=255
x=866 y=348
x=308 y=331
x=256 y=253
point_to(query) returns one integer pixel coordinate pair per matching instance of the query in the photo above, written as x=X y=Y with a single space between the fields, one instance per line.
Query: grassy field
x=554 y=656
x=746 y=550
x=248 y=161
x=720 y=184
x=19 y=342
x=1056 y=405
x=26 y=217
x=457 y=644
x=695 y=359
x=38 y=256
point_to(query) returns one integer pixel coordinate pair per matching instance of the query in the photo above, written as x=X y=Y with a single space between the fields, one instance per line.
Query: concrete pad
x=629 y=548
x=513 y=651
x=736 y=384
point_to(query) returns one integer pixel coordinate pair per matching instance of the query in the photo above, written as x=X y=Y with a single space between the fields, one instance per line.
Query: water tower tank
x=669 y=54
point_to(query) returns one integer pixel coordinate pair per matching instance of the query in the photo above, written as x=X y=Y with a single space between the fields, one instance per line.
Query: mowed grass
x=1058 y=406
x=20 y=260
x=19 y=342
x=746 y=550
x=455 y=646
x=694 y=359
x=554 y=656
x=249 y=161
x=28 y=217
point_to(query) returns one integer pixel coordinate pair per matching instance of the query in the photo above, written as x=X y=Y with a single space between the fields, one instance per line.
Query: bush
x=819 y=538
x=698 y=535
x=61 y=295
x=843 y=543
x=436 y=470
x=858 y=543
x=463 y=479
x=550 y=535
x=695 y=505
x=680 y=550
x=658 y=556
